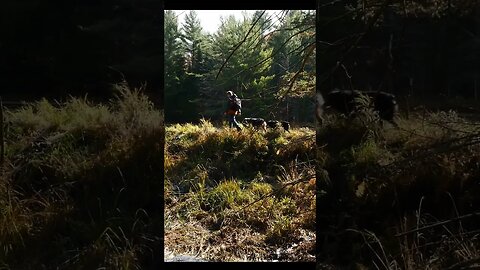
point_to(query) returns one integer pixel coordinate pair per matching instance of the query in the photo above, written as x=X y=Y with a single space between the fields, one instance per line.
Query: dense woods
x=267 y=59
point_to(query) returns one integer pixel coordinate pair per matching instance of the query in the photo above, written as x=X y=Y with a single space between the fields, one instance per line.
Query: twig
x=277 y=51
x=383 y=260
x=451 y=249
x=438 y=224
x=239 y=44
x=442 y=147
x=294 y=78
x=270 y=194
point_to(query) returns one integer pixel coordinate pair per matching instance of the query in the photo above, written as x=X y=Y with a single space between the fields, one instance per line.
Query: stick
x=438 y=224
x=239 y=44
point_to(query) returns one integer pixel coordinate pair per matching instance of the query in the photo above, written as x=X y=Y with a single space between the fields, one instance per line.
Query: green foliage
x=248 y=60
x=173 y=55
x=366 y=154
x=224 y=195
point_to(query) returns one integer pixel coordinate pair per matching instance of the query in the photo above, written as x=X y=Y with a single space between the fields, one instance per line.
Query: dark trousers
x=232 y=122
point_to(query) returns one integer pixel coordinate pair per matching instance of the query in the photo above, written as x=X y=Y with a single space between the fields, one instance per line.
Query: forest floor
x=240 y=196
x=399 y=198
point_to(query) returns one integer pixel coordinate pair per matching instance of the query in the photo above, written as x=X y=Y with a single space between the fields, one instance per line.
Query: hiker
x=234 y=108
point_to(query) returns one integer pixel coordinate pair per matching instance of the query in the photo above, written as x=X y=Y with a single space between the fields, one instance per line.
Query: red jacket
x=231 y=108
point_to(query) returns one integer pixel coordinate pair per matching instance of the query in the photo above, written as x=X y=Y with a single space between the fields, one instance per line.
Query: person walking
x=234 y=108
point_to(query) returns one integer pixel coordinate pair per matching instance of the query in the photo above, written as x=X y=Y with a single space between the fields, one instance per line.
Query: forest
x=247 y=195
x=400 y=196
x=272 y=70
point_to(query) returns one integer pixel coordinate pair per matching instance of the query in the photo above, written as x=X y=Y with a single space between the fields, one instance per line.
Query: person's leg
x=230 y=121
x=236 y=123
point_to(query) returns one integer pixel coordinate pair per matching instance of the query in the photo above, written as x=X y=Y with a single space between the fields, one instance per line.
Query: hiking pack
x=237 y=103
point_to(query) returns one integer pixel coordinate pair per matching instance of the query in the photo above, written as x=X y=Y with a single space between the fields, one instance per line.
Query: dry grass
x=239 y=196
x=82 y=177
x=379 y=185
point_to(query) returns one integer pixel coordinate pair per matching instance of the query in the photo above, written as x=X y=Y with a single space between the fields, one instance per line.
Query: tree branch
x=300 y=70
x=275 y=53
x=438 y=224
x=239 y=44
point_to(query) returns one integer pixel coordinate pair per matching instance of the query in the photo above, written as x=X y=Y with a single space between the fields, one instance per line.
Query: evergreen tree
x=255 y=57
x=174 y=67
x=192 y=38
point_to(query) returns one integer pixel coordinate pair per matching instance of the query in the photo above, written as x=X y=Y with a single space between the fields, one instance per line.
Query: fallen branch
x=438 y=224
x=277 y=191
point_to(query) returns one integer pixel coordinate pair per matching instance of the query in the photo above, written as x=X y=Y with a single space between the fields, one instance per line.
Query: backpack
x=237 y=104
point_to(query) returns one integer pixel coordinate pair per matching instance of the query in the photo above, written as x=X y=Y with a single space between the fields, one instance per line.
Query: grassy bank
x=240 y=196
x=80 y=187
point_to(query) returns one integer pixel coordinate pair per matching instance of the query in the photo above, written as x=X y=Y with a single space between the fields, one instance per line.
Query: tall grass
x=80 y=183
x=240 y=195
x=382 y=186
